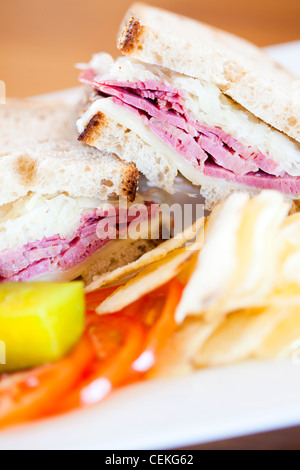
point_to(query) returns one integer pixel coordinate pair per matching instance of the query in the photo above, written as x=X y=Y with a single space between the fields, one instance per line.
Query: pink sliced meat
x=145 y=104
x=225 y=158
x=163 y=109
x=56 y=253
x=33 y=271
x=285 y=184
x=266 y=164
x=184 y=143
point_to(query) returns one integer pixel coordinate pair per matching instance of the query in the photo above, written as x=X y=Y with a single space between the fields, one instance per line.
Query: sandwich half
x=57 y=198
x=192 y=99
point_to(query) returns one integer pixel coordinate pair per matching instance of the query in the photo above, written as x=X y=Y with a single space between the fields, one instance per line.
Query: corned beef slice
x=211 y=149
x=55 y=253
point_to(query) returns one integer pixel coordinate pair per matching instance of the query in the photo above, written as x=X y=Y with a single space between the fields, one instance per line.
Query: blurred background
x=41 y=40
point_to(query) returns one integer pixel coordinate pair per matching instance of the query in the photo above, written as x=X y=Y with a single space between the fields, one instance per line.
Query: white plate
x=206 y=406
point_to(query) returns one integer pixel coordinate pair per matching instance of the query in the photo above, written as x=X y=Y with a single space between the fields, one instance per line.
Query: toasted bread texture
x=105 y=133
x=120 y=255
x=239 y=69
x=39 y=153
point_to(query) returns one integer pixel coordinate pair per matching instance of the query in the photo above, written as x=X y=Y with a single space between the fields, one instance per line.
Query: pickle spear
x=39 y=322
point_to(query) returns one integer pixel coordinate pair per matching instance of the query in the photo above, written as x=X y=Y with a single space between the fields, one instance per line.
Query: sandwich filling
x=97 y=226
x=167 y=112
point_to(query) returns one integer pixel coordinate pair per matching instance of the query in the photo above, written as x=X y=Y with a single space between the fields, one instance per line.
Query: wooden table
x=41 y=40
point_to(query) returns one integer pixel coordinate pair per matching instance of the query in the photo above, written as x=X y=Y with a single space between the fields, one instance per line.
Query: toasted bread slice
x=118 y=253
x=40 y=153
x=240 y=69
x=102 y=132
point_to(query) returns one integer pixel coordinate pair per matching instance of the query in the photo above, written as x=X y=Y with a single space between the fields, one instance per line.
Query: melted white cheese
x=35 y=217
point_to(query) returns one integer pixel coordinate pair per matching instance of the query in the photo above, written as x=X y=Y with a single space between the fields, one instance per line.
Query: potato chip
x=149 y=279
x=290 y=230
x=257 y=252
x=268 y=332
x=217 y=260
x=243 y=298
x=187 y=271
x=284 y=296
x=238 y=265
x=260 y=333
x=152 y=256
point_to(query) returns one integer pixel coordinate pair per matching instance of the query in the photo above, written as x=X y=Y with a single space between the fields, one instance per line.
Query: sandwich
x=60 y=199
x=189 y=98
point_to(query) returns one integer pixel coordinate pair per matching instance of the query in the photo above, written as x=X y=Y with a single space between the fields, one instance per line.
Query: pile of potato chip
x=242 y=298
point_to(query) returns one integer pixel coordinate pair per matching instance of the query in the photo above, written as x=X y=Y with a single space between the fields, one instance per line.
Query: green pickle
x=39 y=322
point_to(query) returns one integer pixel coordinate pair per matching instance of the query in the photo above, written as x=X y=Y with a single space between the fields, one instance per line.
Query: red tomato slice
x=127 y=343
x=156 y=311
x=165 y=325
x=29 y=395
x=118 y=341
x=94 y=299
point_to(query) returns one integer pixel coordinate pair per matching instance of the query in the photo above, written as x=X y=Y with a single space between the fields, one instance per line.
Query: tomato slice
x=117 y=341
x=29 y=395
x=165 y=325
x=156 y=311
x=94 y=299
x=127 y=343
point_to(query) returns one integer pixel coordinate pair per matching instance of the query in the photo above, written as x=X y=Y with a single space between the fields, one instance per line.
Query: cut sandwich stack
x=57 y=196
x=192 y=99
x=185 y=98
